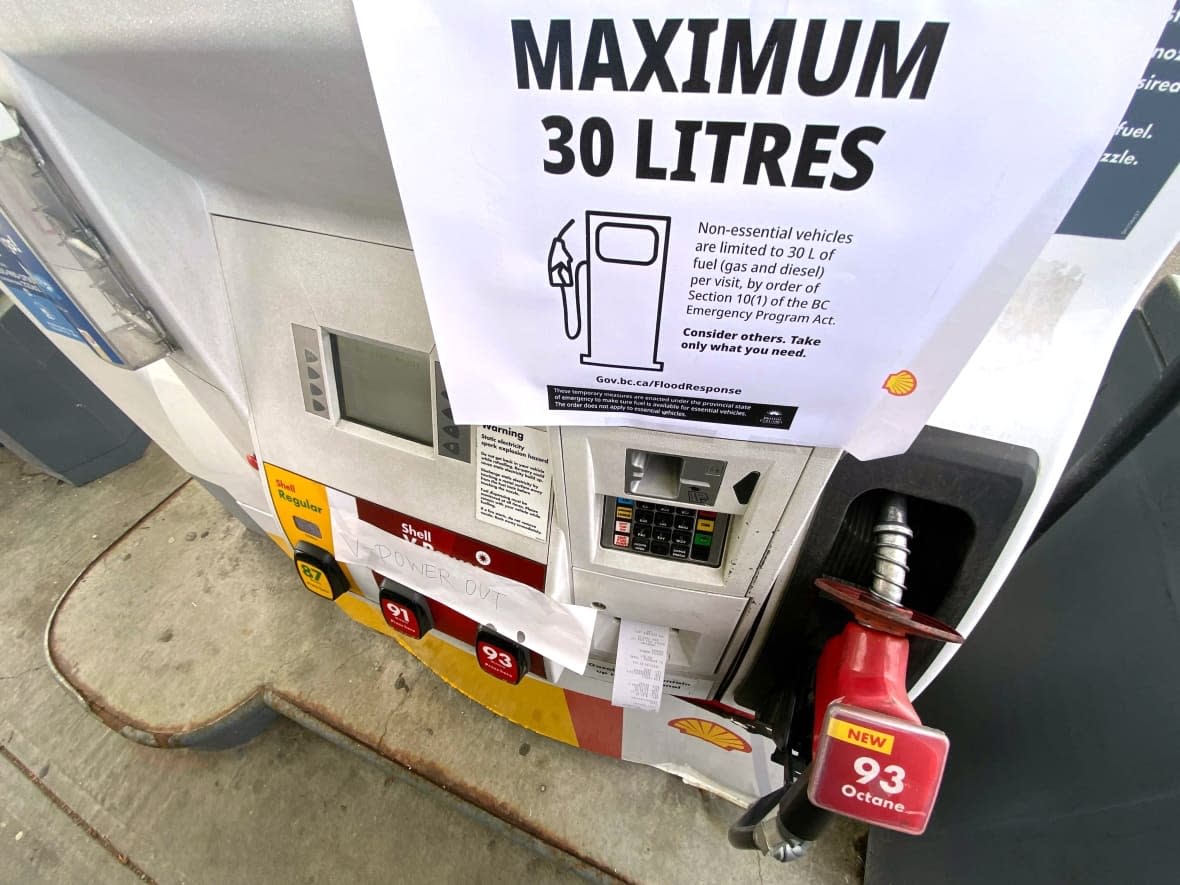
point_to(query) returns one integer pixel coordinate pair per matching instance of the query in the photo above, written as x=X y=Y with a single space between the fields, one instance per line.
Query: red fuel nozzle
x=873 y=760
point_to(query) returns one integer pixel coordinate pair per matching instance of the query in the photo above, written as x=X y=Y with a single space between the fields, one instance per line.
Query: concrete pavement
x=91 y=805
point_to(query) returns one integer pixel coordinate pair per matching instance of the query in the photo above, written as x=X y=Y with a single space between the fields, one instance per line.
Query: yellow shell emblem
x=715 y=734
x=901 y=383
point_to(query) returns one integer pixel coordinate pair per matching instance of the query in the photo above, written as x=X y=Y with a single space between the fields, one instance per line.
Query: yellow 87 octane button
x=319 y=571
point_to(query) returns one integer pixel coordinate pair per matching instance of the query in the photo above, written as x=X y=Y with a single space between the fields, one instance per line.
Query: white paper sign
x=789 y=229
x=513 y=479
x=559 y=631
x=639 y=666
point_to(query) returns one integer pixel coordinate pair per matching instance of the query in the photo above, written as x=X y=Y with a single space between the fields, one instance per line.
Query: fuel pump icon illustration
x=615 y=295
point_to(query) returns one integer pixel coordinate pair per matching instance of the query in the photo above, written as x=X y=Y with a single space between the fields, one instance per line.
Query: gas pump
x=621 y=277
x=792 y=597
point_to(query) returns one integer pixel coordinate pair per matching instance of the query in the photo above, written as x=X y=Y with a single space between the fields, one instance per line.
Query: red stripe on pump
x=597 y=725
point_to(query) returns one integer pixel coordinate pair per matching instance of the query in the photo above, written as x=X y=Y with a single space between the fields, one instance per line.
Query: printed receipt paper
x=639 y=666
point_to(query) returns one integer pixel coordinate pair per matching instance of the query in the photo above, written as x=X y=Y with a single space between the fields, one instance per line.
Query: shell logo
x=901 y=383
x=715 y=734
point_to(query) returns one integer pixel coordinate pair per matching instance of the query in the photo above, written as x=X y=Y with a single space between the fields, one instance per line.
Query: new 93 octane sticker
x=877 y=768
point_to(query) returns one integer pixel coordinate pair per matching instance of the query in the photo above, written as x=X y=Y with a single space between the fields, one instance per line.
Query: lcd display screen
x=384 y=387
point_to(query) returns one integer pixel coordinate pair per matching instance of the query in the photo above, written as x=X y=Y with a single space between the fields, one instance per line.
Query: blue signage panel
x=1142 y=154
x=28 y=281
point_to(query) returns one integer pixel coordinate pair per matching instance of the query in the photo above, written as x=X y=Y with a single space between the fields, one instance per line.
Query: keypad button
x=663 y=531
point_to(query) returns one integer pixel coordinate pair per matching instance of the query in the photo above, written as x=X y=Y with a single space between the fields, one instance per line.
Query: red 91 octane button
x=405 y=610
x=500 y=657
x=878 y=768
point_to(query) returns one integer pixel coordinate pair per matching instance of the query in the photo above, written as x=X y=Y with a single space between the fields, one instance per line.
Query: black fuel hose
x=741 y=832
x=797 y=817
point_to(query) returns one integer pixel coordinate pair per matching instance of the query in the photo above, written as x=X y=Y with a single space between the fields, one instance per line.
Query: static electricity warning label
x=513 y=479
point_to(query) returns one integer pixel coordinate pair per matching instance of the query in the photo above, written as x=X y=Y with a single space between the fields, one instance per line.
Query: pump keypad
x=664 y=530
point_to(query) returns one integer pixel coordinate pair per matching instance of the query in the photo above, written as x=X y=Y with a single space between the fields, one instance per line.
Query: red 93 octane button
x=500 y=657
x=405 y=610
x=878 y=768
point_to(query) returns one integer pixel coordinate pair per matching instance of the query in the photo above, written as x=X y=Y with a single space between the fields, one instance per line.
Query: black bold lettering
x=724 y=132
x=598 y=147
x=768 y=143
x=557 y=59
x=643 y=166
x=810 y=153
x=688 y=130
x=603 y=39
x=854 y=156
x=655 y=60
x=559 y=144
x=702 y=30
x=882 y=56
x=738 y=55
x=809 y=80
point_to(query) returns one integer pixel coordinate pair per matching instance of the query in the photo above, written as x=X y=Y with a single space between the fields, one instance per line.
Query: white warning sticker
x=513 y=478
x=639 y=666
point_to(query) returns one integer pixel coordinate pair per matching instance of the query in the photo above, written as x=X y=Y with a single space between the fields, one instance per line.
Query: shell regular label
x=878 y=768
x=315 y=580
